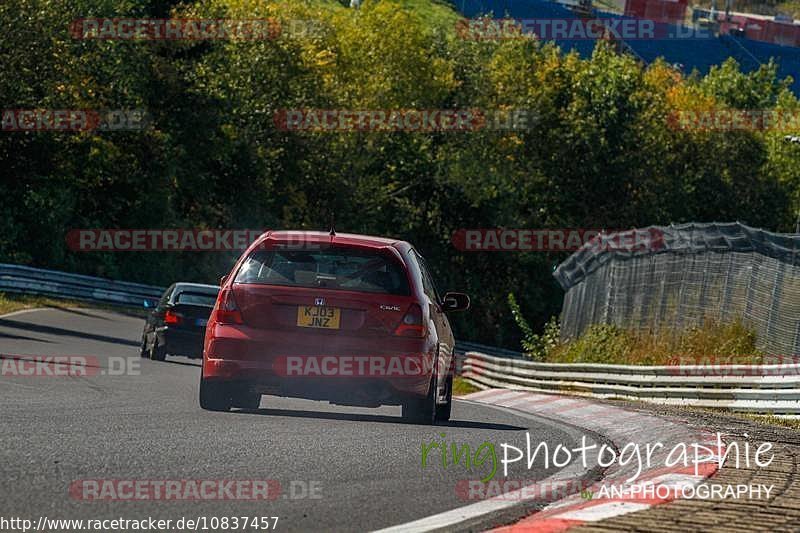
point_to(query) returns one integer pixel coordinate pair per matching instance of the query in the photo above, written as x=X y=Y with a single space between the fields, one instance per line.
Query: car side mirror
x=455 y=301
x=222 y=280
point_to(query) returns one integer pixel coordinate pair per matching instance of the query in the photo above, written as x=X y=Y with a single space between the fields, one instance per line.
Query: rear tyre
x=443 y=411
x=157 y=353
x=143 y=352
x=214 y=396
x=422 y=410
x=246 y=400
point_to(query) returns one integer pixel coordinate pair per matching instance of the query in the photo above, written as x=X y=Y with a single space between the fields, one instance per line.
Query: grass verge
x=462 y=387
x=18 y=302
x=711 y=343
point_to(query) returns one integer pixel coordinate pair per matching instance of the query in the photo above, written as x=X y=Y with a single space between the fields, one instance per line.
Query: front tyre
x=214 y=396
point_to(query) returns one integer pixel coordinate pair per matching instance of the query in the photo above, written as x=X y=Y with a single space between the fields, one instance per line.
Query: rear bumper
x=348 y=371
x=181 y=342
x=359 y=392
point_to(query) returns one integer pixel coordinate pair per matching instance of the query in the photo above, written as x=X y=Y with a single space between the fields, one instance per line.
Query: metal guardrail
x=462 y=347
x=28 y=280
x=758 y=389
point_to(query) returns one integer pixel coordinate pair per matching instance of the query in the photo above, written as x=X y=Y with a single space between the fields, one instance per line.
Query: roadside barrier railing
x=52 y=283
x=757 y=389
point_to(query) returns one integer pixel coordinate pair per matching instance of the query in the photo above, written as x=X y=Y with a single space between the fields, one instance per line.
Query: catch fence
x=680 y=276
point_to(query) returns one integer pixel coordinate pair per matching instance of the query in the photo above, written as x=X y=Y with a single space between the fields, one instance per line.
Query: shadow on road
x=22 y=338
x=134 y=312
x=182 y=363
x=52 y=330
x=358 y=417
x=77 y=311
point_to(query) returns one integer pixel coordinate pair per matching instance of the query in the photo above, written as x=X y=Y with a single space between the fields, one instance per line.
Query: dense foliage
x=599 y=155
x=711 y=343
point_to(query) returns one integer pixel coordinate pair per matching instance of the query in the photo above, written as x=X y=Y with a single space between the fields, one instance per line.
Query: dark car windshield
x=331 y=268
x=196 y=298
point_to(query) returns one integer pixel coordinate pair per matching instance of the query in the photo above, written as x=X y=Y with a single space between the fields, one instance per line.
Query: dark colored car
x=301 y=308
x=177 y=324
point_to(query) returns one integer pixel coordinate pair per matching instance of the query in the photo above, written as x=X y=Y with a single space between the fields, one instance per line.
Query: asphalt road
x=363 y=464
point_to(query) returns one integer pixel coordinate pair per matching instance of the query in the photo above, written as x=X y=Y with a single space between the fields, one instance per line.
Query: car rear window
x=331 y=268
x=196 y=298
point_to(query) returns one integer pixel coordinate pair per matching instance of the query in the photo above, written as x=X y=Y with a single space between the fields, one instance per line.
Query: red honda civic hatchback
x=351 y=319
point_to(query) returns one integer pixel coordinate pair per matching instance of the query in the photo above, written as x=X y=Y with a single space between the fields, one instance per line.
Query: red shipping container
x=657 y=10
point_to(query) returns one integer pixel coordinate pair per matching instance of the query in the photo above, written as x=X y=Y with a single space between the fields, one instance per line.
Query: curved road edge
x=777 y=510
x=598 y=421
x=625 y=429
x=514 y=505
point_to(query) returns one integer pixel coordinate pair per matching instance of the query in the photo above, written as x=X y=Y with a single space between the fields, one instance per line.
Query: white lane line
x=462 y=514
x=483 y=393
x=494 y=394
x=451 y=518
x=15 y=384
x=517 y=402
x=22 y=311
x=603 y=511
x=677 y=482
x=504 y=501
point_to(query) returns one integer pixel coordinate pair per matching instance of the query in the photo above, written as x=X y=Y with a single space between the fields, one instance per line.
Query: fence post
x=776 y=290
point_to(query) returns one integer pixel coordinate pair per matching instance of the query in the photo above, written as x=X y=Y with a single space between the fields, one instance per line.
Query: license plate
x=310 y=316
x=201 y=322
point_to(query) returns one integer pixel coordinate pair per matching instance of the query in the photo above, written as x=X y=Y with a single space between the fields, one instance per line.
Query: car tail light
x=172 y=318
x=411 y=325
x=228 y=312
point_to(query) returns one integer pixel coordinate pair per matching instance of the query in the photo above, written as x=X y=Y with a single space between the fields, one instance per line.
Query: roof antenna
x=332 y=232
